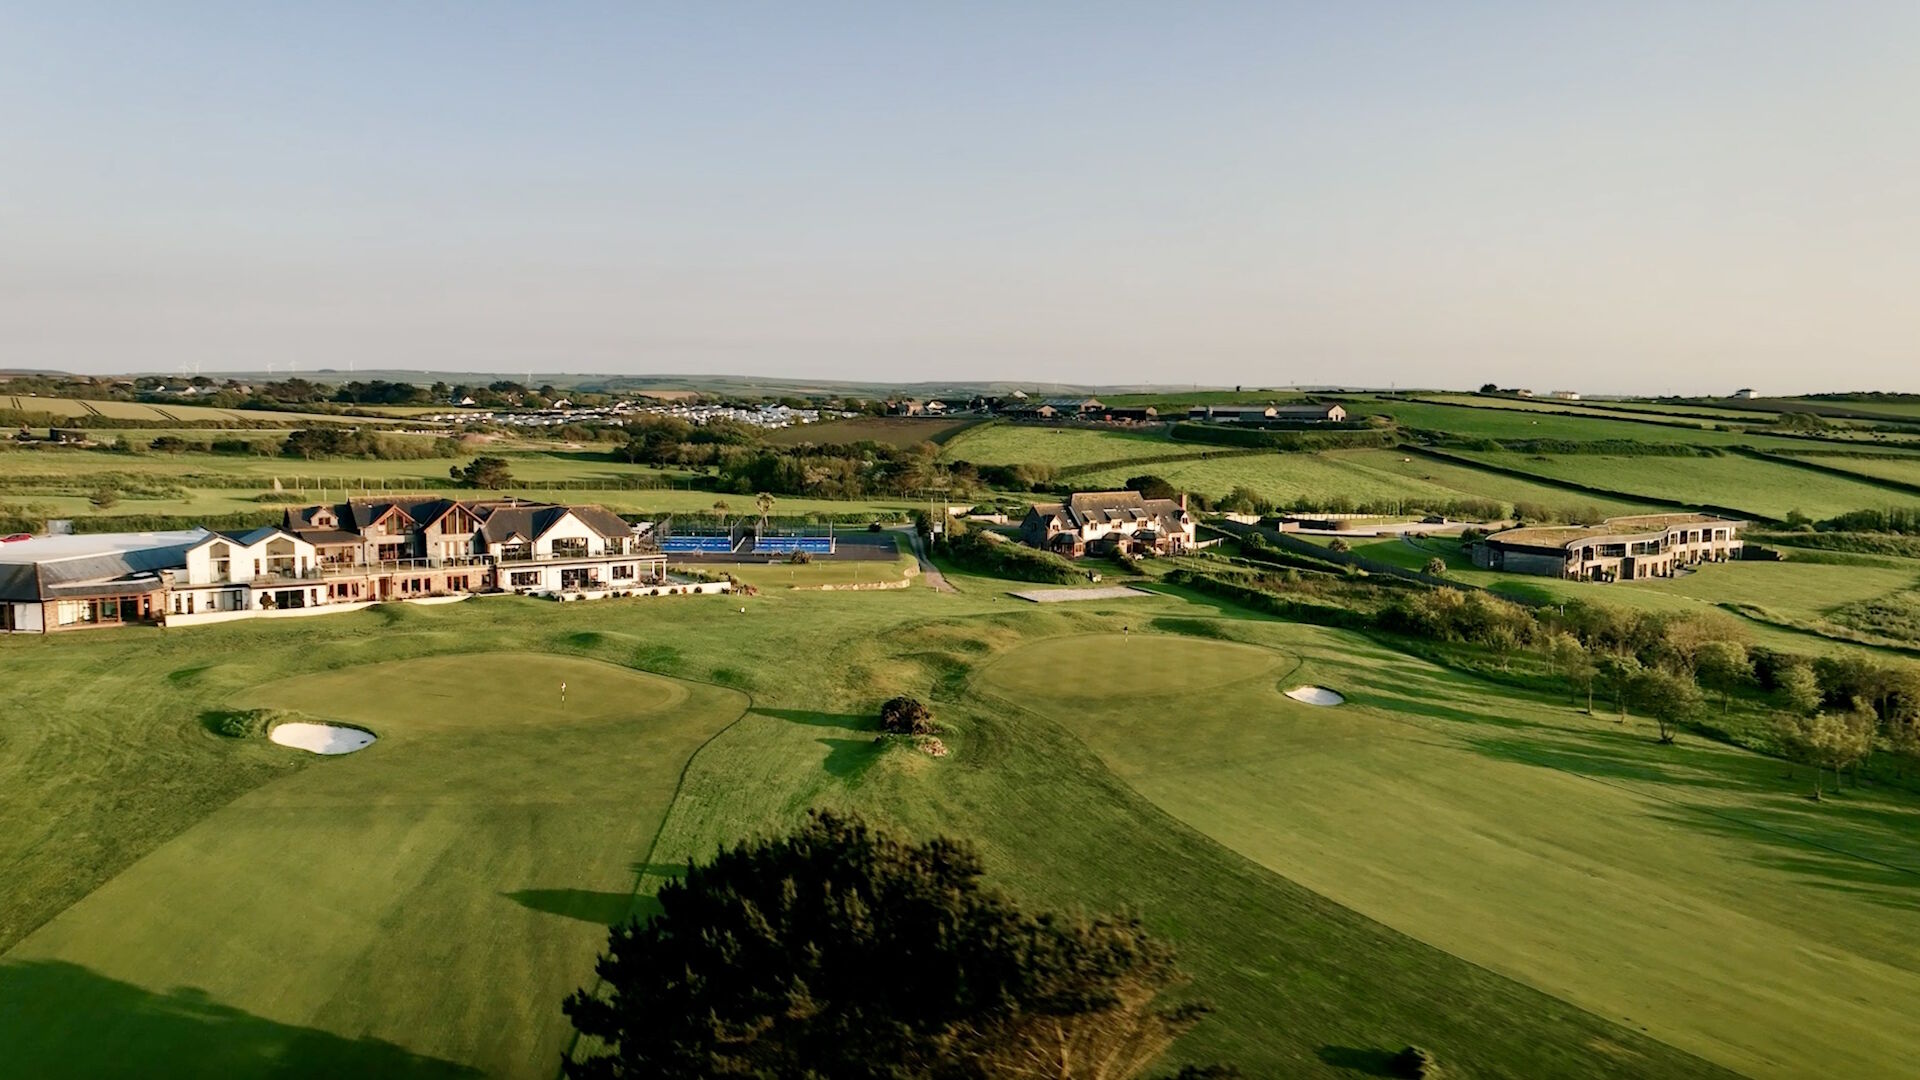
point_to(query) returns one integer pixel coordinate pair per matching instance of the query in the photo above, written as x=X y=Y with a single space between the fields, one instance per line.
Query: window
x=570 y=549
x=525 y=578
x=515 y=552
x=622 y=572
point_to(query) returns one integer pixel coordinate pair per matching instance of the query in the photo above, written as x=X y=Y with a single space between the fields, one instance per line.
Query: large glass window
x=570 y=549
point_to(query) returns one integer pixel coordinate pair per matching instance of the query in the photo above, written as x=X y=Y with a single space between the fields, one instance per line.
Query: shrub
x=1415 y=1063
x=1339 y=545
x=800 y=558
x=1436 y=567
x=242 y=723
x=906 y=716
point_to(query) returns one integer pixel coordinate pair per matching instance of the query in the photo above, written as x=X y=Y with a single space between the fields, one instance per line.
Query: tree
x=1670 y=698
x=1152 y=487
x=850 y=952
x=1573 y=663
x=1338 y=545
x=104 y=498
x=1489 y=388
x=1724 y=666
x=1436 y=567
x=168 y=444
x=1799 y=688
x=764 y=503
x=1619 y=670
x=484 y=472
x=906 y=716
x=720 y=509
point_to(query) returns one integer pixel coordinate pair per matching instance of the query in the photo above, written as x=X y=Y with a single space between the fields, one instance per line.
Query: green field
x=507 y=809
x=1748 y=484
x=1905 y=470
x=1025 y=444
x=1443 y=861
x=892 y=430
x=1680 y=892
x=182 y=413
x=1527 y=422
x=1359 y=475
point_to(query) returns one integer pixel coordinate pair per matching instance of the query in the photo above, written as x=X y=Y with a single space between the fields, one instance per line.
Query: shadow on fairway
x=600 y=908
x=62 y=1020
x=848 y=758
x=850 y=721
x=1354 y=1059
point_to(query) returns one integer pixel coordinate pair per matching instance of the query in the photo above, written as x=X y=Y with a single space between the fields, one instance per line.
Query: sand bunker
x=321 y=738
x=1314 y=695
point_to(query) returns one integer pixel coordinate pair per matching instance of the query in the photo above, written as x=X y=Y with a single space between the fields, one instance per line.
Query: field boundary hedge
x=1067 y=472
x=1830 y=470
x=1317 y=438
x=1585 y=489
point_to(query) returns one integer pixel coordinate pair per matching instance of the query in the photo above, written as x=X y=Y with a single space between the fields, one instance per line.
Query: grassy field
x=63 y=480
x=1905 y=470
x=1360 y=475
x=1775 y=598
x=1023 y=444
x=511 y=811
x=1748 y=484
x=159 y=913
x=1503 y=423
x=135 y=410
x=1683 y=891
x=1527 y=891
x=891 y=430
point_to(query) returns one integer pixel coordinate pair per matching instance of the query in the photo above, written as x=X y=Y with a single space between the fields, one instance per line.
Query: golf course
x=1525 y=889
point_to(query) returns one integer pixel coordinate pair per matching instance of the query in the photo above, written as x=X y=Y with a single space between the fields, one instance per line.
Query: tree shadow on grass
x=848 y=758
x=1354 y=1059
x=61 y=1020
x=850 y=721
x=586 y=905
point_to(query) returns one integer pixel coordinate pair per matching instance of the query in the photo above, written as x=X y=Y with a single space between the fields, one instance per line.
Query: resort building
x=1618 y=549
x=1096 y=522
x=336 y=557
x=51 y=583
x=388 y=549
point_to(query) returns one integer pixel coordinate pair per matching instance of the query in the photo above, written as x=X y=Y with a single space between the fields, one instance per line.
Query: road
x=927 y=570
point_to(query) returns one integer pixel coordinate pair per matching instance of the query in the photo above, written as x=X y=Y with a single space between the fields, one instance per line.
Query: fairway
x=418 y=907
x=1684 y=890
x=1103 y=666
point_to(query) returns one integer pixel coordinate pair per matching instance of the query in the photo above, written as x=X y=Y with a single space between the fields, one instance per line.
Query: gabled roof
x=47 y=567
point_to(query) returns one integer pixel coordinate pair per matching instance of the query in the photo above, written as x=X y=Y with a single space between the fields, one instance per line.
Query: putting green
x=1101 y=667
x=418 y=907
x=1687 y=891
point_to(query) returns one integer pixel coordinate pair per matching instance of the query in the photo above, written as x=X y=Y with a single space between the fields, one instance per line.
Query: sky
x=1631 y=197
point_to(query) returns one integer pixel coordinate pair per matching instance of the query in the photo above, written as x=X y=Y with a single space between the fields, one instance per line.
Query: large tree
x=1724 y=666
x=844 y=952
x=487 y=472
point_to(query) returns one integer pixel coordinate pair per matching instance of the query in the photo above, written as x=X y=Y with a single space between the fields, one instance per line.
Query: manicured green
x=346 y=897
x=1683 y=890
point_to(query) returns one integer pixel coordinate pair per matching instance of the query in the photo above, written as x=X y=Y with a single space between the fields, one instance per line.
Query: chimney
x=1183 y=502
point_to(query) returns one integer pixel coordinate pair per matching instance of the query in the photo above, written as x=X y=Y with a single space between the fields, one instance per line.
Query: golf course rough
x=343 y=903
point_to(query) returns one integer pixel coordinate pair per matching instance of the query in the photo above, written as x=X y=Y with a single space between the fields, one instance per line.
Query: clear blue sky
x=1647 y=197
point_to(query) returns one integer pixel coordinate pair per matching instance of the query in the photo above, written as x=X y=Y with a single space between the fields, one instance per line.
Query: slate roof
x=50 y=567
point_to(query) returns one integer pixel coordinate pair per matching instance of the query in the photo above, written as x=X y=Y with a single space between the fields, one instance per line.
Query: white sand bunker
x=321 y=738
x=1314 y=695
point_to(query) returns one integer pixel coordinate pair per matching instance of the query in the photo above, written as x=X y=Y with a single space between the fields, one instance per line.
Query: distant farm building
x=1744 y=394
x=1618 y=549
x=1098 y=522
x=1257 y=414
x=1566 y=395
